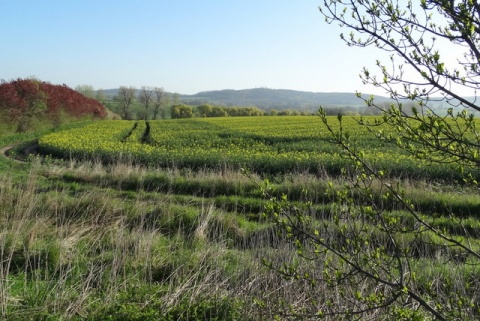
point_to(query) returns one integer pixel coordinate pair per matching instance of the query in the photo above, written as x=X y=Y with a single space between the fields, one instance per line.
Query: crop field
x=134 y=220
x=267 y=145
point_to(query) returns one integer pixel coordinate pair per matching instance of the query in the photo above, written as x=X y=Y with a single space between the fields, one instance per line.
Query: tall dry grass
x=74 y=251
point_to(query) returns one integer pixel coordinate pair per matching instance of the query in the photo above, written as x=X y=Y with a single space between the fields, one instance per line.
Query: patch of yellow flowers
x=271 y=144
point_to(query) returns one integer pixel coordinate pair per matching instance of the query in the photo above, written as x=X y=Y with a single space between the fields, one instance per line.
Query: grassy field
x=157 y=221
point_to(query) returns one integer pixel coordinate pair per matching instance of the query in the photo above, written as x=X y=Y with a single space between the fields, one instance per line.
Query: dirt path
x=31 y=149
x=4 y=150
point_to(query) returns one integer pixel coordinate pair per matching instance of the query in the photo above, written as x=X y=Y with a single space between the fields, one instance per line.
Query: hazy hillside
x=282 y=99
x=265 y=98
x=276 y=98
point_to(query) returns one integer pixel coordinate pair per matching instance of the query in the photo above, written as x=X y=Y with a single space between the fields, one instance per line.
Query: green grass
x=84 y=240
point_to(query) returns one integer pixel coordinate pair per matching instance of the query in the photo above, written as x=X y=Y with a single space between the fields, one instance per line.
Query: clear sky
x=184 y=46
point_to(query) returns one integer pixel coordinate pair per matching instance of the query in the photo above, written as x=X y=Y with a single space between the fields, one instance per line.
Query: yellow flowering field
x=263 y=144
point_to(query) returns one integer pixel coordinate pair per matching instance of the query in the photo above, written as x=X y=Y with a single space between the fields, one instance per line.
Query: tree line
x=154 y=103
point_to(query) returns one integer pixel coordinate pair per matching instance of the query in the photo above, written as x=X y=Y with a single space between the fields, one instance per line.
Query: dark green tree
x=203 y=110
x=361 y=260
x=181 y=111
x=218 y=111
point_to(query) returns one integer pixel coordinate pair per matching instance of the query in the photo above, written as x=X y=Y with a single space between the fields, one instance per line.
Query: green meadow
x=165 y=220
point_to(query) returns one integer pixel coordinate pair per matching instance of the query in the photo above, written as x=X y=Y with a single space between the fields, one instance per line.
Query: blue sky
x=183 y=46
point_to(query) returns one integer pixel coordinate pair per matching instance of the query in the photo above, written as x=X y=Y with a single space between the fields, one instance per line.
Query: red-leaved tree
x=24 y=100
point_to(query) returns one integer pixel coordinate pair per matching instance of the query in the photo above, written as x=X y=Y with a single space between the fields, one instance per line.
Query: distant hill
x=280 y=99
x=267 y=99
